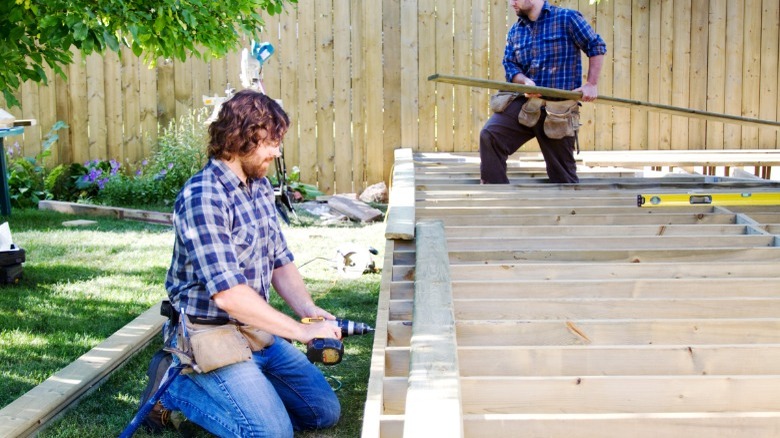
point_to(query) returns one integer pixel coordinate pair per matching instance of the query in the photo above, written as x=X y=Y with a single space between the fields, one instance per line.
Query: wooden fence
x=353 y=76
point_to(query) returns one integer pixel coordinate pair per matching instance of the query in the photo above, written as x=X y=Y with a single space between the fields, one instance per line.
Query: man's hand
x=523 y=80
x=320 y=329
x=589 y=92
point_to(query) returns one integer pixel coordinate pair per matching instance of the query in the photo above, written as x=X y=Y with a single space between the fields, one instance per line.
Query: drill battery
x=11 y=269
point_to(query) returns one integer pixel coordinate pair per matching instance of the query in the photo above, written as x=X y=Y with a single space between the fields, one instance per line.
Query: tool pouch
x=530 y=112
x=216 y=346
x=563 y=119
x=258 y=339
x=501 y=100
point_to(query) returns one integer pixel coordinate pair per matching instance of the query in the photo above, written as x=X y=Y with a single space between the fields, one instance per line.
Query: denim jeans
x=276 y=392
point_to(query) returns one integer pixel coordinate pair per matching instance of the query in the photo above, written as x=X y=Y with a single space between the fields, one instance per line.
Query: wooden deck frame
x=33 y=410
x=575 y=314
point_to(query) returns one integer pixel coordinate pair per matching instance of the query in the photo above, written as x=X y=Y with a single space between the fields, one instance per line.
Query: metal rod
x=608 y=100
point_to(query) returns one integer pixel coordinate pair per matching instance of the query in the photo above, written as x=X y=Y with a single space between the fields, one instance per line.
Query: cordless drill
x=329 y=351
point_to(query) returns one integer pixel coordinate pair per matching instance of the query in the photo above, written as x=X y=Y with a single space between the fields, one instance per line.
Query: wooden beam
x=644 y=425
x=434 y=384
x=609 y=394
x=608 y=100
x=31 y=411
x=401 y=214
x=372 y=409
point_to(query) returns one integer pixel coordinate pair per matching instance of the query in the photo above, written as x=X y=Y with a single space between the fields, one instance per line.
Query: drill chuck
x=350 y=328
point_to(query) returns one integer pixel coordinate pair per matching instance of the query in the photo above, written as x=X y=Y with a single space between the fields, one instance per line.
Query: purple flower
x=170 y=165
x=144 y=162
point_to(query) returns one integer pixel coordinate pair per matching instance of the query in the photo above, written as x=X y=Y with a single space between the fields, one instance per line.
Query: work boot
x=158 y=418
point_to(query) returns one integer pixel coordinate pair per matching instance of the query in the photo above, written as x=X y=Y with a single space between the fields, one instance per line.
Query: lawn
x=80 y=285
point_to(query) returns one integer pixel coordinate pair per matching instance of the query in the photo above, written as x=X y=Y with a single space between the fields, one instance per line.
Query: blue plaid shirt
x=226 y=234
x=548 y=50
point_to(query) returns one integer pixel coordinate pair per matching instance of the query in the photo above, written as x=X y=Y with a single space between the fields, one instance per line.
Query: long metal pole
x=608 y=100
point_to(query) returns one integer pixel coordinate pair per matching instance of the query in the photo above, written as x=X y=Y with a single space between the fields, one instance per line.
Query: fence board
x=751 y=69
x=391 y=45
x=353 y=78
x=716 y=69
x=770 y=23
x=341 y=82
x=735 y=13
x=324 y=89
x=698 y=70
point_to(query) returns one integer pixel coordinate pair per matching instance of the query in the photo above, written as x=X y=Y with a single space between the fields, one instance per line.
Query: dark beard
x=253 y=170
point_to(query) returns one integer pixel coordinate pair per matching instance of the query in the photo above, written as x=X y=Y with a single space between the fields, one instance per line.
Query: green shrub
x=179 y=154
x=27 y=175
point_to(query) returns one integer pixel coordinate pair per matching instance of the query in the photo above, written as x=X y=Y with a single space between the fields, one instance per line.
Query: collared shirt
x=548 y=50
x=226 y=234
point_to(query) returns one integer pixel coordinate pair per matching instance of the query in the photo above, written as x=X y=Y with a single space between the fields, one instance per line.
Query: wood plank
x=401 y=210
x=699 y=74
x=608 y=332
x=597 y=394
x=603 y=121
x=131 y=144
x=621 y=79
x=462 y=138
x=426 y=100
x=640 y=71
x=31 y=412
x=341 y=81
x=770 y=50
x=681 y=70
x=375 y=392
x=645 y=425
x=606 y=288
x=100 y=210
x=751 y=69
x=735 y=12
x=361 y=85
x=392 y=89
x=668 y=243
x=434 y=384
x=553 y=218
x=633 y=360
x=375 y=165
x=530 y=271
x=96 y=107
x=409 y=74
x=306 y=106
x=480 y=65
x=324 y=92
x=631 y=255
x=717 y=50
x=614 y=308
x=515 y=231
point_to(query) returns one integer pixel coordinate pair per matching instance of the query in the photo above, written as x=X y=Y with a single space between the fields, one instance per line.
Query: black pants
x=503 y=135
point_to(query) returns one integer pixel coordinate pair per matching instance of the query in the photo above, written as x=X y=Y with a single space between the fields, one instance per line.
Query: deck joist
x=574 y=312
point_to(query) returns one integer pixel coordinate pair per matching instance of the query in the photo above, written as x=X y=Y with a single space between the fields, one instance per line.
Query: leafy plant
x=39 y=33
x=307 y=191
x=179 y=154
x=27 y=175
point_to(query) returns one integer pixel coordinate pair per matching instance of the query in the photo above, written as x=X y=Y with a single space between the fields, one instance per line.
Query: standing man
x=542 y=49
x=229 y=250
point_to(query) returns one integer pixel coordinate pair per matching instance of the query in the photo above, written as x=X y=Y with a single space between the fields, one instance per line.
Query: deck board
x=576 y=313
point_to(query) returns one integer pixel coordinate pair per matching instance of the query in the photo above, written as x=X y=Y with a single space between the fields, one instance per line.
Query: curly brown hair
x=244 y=121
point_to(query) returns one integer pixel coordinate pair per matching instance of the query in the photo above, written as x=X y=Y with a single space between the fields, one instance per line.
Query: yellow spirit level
x=680 y=199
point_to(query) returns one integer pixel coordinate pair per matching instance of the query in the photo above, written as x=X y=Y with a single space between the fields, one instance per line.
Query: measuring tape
x=680 y=199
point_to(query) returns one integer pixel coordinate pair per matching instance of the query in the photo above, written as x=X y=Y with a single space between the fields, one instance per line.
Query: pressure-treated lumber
x=434 y=384
x=400 y=214
x=575 y=315
x=24 y=416
x=100 y=210
x=615 y=101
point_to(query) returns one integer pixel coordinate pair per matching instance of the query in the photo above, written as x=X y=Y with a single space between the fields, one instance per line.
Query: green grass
x=81 y=285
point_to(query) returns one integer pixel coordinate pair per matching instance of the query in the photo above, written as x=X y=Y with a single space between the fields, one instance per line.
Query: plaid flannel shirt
x=548 y=50
x=226 y=234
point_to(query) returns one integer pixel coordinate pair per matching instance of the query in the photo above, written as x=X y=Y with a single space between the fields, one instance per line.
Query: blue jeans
x=276 y=392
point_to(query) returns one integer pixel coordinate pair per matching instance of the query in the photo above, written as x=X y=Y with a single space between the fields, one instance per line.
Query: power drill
x=329 y=351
